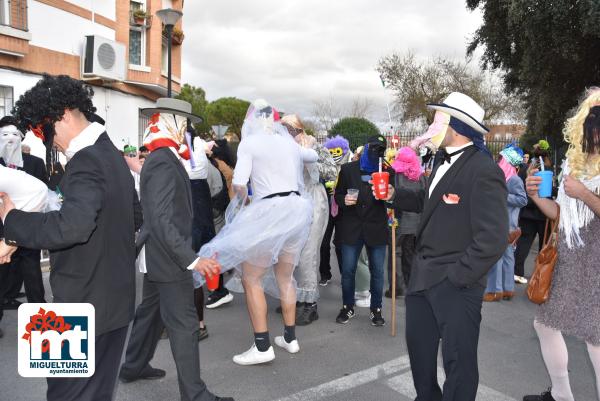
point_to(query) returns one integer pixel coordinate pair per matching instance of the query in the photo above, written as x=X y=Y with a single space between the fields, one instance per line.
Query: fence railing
x=13 y=13
x=404 y=139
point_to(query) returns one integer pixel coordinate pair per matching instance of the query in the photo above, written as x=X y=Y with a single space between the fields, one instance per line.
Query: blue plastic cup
x=545 y=189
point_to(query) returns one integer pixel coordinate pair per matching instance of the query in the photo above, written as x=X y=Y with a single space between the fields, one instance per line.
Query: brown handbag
x=538 y=290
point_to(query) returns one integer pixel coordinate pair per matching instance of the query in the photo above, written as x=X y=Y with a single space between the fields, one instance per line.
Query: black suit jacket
x=367 y=219
x=91 y=238
x=36 y=167
x=166 y=198
x=461 y=241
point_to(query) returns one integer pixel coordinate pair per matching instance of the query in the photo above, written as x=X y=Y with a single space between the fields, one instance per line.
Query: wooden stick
x=393 y=319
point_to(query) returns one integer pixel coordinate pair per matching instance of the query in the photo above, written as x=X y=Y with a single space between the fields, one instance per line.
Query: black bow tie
x=447 y=157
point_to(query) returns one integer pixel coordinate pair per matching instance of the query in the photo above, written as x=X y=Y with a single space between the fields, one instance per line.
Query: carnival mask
x=438 y=129
x=10 y=146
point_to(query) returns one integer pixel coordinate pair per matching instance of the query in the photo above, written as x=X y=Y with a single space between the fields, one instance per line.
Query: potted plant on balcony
x=178 y=36
x=139 y=17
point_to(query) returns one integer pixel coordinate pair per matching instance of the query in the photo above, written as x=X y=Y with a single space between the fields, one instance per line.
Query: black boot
x=307 y=315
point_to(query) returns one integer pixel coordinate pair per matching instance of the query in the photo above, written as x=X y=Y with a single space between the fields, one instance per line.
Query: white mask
x=10 y=146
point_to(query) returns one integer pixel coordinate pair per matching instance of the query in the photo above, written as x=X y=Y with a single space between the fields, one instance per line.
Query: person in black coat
x=462 y=233
x=361 y=222
x=166 y=236
x=25 y=264
x=91 y=238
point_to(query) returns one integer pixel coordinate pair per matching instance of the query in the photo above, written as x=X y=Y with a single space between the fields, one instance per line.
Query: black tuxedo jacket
x=460 y=241
x=91 y=238
x=166 y=197
x=367 y=219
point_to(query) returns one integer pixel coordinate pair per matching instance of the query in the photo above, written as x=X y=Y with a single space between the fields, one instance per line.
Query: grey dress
x=574 y=303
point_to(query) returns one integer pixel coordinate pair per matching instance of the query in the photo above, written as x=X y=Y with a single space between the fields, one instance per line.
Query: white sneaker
x=520 y=279
x=254 y=357
x=292 y=347
x=222 y=301
x=362 y=294
x=363 y=302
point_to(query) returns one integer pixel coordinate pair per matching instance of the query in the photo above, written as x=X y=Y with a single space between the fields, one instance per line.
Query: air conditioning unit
x=104 y=58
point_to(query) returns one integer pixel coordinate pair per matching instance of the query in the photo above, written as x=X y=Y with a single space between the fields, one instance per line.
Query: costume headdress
x=407 y=163
x=168 y=125
x=10 y=142
x=338 y=146
x=262 y=117
x=512 y=157
x=581 y=130
x=45 y=103
x=463 y=115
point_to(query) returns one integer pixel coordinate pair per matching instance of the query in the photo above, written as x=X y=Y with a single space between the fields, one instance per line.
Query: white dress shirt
x=86 y=138
x=446 y=166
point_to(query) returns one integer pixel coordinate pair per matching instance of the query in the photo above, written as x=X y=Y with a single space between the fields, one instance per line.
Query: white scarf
x=574 y=213
x=10 y=146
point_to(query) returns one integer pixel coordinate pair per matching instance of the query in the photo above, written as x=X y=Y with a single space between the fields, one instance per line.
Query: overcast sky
x=293 y=52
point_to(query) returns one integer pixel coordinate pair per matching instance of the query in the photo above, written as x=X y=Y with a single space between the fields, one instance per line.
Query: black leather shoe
x=148 y=373
x=11 y=304
x=202 y=333
x=307 y=315
x=545 y=396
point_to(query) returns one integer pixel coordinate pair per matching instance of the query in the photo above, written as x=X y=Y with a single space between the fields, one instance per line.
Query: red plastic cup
x=380 y=184
x=212 y=281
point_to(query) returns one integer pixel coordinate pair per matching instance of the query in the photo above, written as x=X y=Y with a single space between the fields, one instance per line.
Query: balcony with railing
x=13 y=14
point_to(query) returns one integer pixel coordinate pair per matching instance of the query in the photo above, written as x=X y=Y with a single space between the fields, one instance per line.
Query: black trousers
x=453 y=315
x=101 y=386
x=26 y=269
x=173 y=304
x=530 y=229
x=325 y=264
x=406 y=247
x=4 y=283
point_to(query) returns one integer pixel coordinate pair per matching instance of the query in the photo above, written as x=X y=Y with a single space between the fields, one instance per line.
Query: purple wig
x=338 y=142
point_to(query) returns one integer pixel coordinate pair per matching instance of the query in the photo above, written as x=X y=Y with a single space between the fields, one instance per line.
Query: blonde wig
x=582 y=165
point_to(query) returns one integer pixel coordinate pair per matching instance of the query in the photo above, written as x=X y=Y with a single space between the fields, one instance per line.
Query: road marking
x=351 y=381
x=401 y=382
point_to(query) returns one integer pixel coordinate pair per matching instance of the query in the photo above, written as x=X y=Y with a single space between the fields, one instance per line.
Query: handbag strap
x=552 y=234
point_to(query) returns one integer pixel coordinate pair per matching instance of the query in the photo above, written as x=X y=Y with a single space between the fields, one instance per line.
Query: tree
x=228 y=111
x=417 y=83
x=327 y=112
x=549 y=52
x=197 y=97
x=355 y=130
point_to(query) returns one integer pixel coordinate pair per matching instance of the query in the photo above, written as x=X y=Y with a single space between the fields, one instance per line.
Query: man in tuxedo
x=25 y=264
x=168 y=294
x=463 y=232
x=91 y=238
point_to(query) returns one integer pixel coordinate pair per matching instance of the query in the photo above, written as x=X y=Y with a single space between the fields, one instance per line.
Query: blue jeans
x=350 y=254
x=501 y=277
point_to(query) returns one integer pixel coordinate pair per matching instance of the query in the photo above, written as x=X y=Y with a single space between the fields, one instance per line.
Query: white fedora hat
x=172 y=106
x=464 y=108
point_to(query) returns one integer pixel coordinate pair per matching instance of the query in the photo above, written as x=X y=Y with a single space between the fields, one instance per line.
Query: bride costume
x=263 y=239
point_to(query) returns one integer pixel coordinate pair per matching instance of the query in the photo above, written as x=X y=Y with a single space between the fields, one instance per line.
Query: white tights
x=556 y=358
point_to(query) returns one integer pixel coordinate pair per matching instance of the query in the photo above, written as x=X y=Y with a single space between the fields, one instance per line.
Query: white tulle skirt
x=263 y=242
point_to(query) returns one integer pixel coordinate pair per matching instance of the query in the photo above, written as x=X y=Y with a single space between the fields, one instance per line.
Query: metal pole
x=393 y=274
x=169 y=44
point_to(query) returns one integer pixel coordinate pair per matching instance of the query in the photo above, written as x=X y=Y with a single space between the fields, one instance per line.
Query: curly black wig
x=46 y=102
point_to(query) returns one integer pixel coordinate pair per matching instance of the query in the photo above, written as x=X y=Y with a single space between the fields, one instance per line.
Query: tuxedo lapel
x=442 y=186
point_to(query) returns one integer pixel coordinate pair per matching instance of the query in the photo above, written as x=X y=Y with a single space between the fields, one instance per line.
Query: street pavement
x=336 y=362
